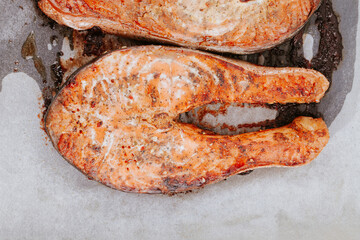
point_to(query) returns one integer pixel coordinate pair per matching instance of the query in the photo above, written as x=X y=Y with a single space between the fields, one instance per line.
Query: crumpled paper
x=43 y=197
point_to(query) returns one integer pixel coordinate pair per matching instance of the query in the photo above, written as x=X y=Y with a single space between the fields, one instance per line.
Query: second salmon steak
x=219 y=25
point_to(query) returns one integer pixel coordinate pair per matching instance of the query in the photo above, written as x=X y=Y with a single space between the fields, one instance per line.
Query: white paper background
x=43 y=197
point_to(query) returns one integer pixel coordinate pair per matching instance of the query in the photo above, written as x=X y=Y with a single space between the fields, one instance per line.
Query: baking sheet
x=44 y=197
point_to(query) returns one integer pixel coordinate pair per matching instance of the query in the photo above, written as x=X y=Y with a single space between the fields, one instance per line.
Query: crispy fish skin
x=218 y=25
x=115 y=119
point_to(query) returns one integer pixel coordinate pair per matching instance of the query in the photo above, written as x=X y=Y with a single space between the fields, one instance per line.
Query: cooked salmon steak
x=116 y=119
x=219 y=25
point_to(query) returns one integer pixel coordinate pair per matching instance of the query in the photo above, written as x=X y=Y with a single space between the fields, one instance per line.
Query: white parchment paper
x=43 y=197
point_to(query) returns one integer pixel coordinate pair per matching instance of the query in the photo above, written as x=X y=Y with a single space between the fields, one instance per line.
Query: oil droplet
x=29 y=51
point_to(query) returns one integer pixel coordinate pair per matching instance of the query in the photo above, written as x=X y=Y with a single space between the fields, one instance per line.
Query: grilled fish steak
x=218 y=25
x=116 y=119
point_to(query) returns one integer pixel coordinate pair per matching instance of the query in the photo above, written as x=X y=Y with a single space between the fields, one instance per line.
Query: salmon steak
x=116 y=119
x=236 y=26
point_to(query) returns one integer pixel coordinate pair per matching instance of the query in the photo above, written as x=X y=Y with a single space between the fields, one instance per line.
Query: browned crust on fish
x=224 y=26
x=115 y=119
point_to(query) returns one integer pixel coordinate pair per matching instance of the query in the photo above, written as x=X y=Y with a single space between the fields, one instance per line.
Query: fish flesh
x=116 y=119
x=218 y=25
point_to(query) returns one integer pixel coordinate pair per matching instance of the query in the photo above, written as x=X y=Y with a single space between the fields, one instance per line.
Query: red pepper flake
x=142 y=148
x=99 y=124
x=131 y=97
